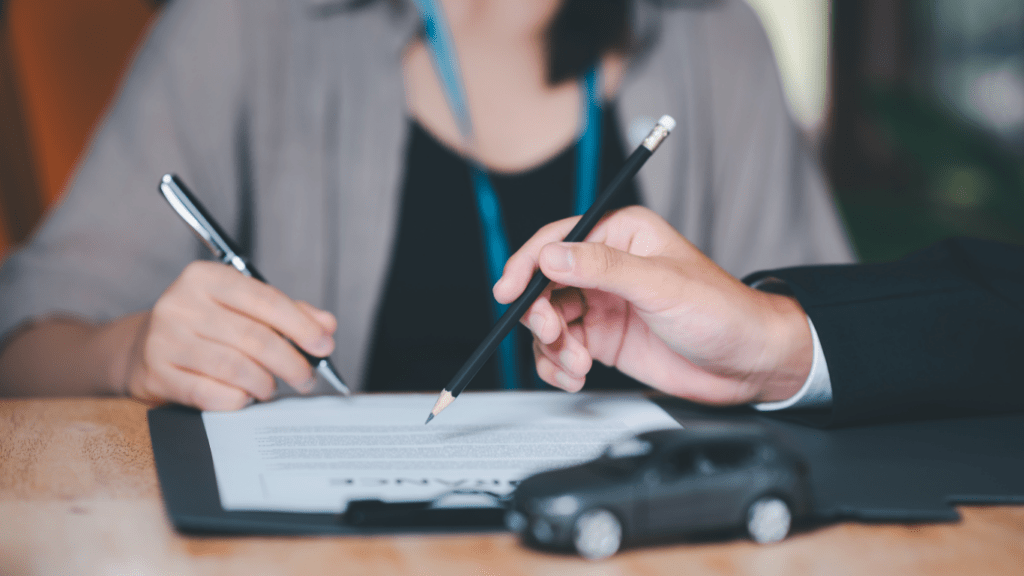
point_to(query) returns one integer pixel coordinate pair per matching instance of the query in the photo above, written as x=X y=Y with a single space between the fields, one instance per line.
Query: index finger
x=633 y=229
x=520 y=266
x=269 y=306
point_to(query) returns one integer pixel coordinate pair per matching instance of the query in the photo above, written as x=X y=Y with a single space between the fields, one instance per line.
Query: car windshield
x=626 y=455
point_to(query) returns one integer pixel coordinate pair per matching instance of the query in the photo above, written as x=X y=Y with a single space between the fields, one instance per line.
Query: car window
x=624 y=456
x=729 y=455
x=679 y=463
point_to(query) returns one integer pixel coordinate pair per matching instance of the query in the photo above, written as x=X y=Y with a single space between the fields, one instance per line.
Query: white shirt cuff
x=817 y=389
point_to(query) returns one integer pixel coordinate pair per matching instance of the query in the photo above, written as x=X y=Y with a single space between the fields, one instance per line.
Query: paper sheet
x=315 y=454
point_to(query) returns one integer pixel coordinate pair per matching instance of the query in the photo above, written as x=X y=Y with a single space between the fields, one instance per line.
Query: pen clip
x=192 y=212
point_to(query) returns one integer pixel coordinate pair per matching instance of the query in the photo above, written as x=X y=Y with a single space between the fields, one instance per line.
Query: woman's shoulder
x=360 y=17
x=728 y=30
x=719 y=44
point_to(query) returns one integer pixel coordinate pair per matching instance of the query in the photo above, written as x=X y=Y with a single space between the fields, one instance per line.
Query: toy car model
x=662 y=484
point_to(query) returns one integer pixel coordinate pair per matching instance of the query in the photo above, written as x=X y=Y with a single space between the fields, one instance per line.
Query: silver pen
x=191 y=211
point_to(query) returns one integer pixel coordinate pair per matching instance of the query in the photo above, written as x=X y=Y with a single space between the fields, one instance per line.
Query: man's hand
x=216 y=338
x=638 y=296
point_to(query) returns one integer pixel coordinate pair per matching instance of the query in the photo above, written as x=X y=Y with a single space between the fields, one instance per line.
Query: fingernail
x=564 y=380
x=307 y=386
x=323 y=346
x=566 y=358
x=536 y=324
x=558 y=258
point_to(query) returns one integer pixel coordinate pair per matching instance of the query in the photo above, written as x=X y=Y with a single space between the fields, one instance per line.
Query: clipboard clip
x=463 y=508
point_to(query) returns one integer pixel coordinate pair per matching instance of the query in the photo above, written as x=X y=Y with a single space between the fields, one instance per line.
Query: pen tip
x=429 y=418
x=326 y=369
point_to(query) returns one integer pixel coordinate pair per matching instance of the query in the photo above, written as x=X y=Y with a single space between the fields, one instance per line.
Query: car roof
x=707 y=433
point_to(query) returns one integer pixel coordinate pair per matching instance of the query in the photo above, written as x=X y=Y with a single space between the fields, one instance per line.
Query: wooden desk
x=79 y=495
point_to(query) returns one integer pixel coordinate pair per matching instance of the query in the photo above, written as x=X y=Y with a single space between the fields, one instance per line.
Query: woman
x=322 y=134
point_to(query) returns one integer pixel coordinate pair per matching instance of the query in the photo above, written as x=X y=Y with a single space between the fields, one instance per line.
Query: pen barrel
x=190 y=209
x=539 y=282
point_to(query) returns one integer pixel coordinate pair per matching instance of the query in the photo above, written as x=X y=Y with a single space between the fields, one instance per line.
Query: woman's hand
x=216 y=338
x=638 y=296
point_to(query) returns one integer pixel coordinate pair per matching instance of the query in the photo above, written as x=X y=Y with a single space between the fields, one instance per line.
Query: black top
x=437 y=303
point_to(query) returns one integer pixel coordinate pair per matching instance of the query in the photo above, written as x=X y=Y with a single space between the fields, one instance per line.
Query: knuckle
x=600 y=258
x=229 y=368
x=198 y=272
x=259 y=298
x=258 y=341
x=249 y=300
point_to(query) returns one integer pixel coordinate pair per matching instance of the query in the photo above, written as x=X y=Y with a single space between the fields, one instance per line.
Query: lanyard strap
x=588 y=151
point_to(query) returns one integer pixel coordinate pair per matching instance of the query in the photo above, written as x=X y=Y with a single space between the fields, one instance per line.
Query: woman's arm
x=75 y=295
x=62 y=356
x=214 y=340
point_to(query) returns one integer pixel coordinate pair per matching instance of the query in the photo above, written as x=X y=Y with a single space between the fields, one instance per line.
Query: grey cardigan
x=288 y=119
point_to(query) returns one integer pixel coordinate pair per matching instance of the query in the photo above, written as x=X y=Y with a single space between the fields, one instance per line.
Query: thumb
x=638 y=279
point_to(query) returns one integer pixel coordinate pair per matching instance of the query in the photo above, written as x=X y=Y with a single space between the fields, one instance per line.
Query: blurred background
x=915 y=107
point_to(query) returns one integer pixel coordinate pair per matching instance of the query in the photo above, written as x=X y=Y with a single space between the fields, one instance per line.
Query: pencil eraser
x=668 y=122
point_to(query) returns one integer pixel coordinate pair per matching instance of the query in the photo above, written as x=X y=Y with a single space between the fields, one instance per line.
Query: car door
x=674 y=491
x=731 y=466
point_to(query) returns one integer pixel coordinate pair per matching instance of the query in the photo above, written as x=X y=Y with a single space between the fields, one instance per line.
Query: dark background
x=926 y=131
x=924 y=137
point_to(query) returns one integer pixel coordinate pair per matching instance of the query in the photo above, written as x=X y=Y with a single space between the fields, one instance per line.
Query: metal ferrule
x=656 y=137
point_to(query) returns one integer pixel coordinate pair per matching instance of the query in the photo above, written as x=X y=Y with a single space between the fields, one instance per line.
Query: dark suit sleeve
x=939 y=333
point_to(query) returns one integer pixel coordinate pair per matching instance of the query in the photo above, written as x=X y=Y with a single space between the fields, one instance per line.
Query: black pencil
x=539 y=282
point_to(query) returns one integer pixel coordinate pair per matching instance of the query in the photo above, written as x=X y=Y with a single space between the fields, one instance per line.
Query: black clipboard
x=902 y=472
x=184 y=466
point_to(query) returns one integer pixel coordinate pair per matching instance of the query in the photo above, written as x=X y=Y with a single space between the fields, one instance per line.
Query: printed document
x=316 y=454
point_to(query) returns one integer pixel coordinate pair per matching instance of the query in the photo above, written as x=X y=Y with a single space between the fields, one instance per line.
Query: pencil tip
x=429 y=418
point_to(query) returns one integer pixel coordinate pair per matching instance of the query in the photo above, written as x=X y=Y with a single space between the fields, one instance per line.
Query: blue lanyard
x=588 y=152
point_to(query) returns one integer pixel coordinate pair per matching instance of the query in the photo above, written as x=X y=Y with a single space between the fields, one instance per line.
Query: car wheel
x=597 y=534
x=768 y=519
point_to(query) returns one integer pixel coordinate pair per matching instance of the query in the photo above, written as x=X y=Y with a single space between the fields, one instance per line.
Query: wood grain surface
x=79 y=495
